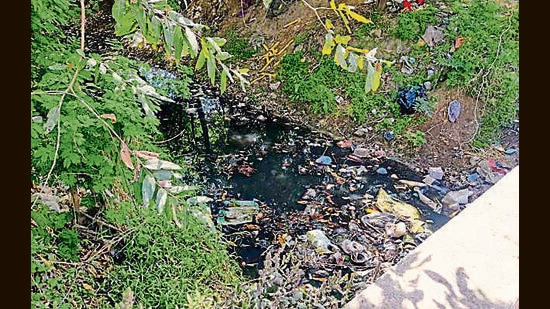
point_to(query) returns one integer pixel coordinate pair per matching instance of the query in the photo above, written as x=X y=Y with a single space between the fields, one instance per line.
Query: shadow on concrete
x=395 y=296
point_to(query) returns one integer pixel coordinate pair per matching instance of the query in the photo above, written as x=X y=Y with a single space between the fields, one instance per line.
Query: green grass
x=238 y=46
x=487 y=63
x=412 y=25
x=163 y=265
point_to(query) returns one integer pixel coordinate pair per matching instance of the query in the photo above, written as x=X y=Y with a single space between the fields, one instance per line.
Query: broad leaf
x=202 y=59
x=178 y=44
x=376 y=78
x=342 y=39
x=329 y=44
x=147 y=189
x=223 y=81
x=179 y=189
x=340 y=56
x=353 y=62
x=370 y=77
x=211 y=68
x=162 y=197
x=328 y=24
x=147 y=155
x=125 y=156
x=357 y=17
x=53 y=117
x=192 y=38
x=156 y=164
x=163 y=175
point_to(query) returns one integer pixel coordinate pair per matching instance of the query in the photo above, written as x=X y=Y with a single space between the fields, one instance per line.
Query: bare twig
x=82 y=24
x=317 y=14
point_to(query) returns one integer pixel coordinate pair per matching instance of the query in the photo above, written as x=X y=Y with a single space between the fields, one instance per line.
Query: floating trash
x=237 y=212
x=324 y=160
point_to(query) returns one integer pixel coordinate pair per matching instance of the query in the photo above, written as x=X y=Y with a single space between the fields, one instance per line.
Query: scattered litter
x=453 y=110
x=396 y=230
x=387 y=203
x=407 y=97
x=433 y=35
x=436 y=172
x=324 y=160
x=361 y=152
x=460 y=197
x=237 y=212
x=389 y=136
x=320 y=241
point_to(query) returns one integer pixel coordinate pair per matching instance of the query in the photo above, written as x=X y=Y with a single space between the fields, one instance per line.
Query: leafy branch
x=348 y=57
x=155 y=22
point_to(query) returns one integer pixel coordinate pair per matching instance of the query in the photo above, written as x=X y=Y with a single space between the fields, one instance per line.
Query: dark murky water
x=252 y=156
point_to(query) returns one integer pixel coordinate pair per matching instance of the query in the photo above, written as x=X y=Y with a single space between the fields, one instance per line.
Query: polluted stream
x=308 y=217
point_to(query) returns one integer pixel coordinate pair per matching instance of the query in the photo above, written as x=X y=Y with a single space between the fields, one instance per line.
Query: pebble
x=382 y=171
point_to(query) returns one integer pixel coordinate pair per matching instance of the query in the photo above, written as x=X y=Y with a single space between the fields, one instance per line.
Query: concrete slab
x=471 y=262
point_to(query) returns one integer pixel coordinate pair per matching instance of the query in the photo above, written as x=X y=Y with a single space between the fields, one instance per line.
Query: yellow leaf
x=360 y=62
x=357 y=49
x=87 y=287
x=329 y=44
x=328 y=24
x=333 y=5
x=376 y=79
x=244 y=70
x=356 y=16
x=342 y=39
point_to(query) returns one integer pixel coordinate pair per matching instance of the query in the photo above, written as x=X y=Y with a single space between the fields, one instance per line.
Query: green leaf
x=162 y=197
x=223 y=56
x=156 y=28
x=118 y=10
x=147 y=189
x=178 y=44
x=126 y=24
x=202 y=59
x=168 y=36
x=211 y=68
x=192 y=38
x=223 y=81
x=219 y=41
x=53 y=117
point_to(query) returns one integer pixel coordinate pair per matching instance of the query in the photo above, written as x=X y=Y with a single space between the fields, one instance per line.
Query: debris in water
x=320 y=241
x=237 y=212
x=324 y=160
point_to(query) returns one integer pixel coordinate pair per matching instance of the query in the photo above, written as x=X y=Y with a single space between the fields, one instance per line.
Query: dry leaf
x=459 y=42
x=109 y=116
x=125 y=155
x=147 y=155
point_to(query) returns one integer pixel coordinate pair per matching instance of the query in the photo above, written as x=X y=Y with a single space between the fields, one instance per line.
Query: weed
x=416 y=138
x=487 y=62
x=300 y=38
x=411 y=25
x=238 y=46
